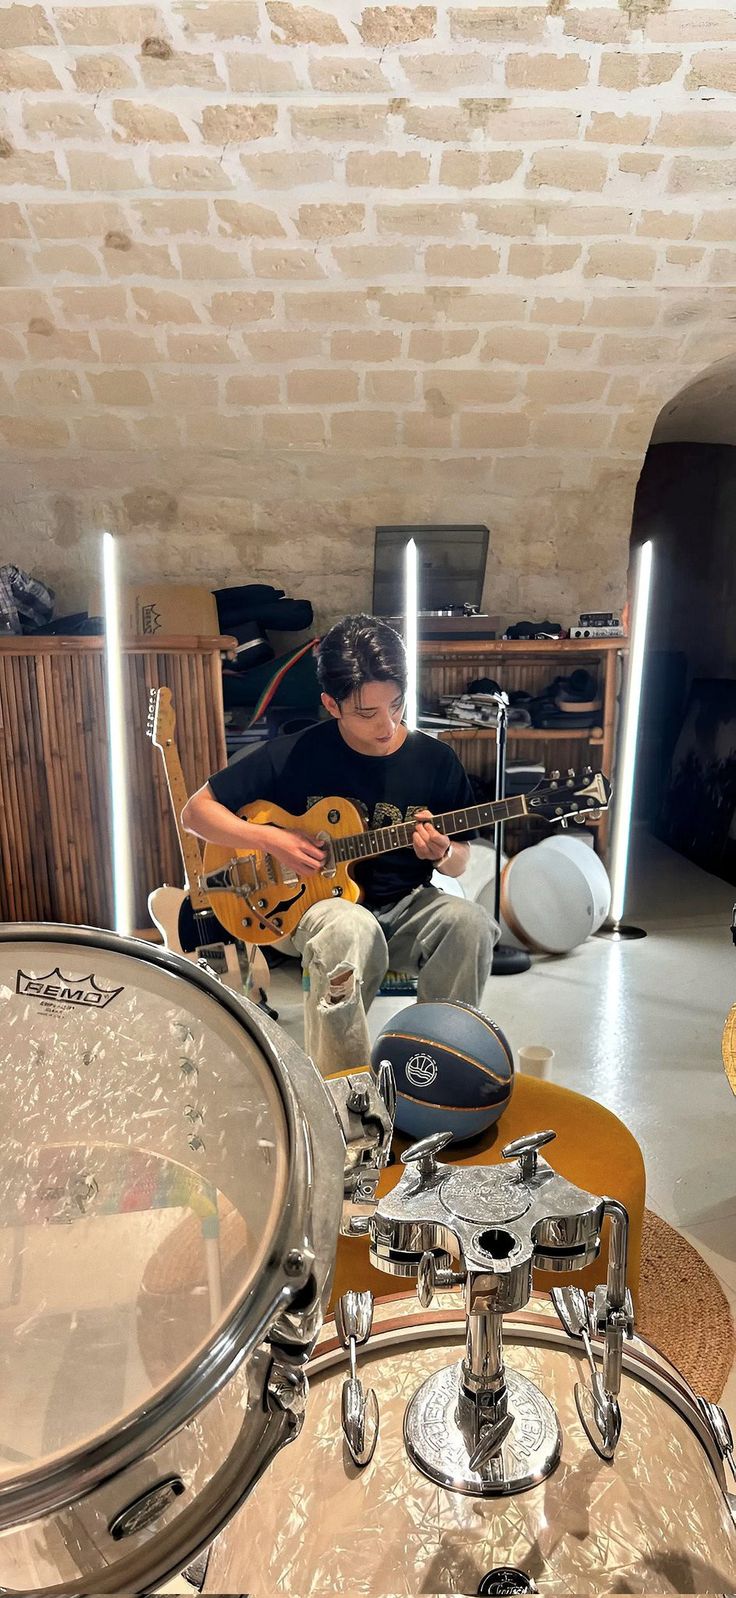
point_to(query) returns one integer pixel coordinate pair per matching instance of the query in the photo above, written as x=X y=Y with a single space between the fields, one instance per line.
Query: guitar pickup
x=329 y=868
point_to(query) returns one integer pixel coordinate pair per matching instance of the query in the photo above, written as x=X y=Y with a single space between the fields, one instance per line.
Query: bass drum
x=656 y=1520
x=547 y=900
x=157 y=1219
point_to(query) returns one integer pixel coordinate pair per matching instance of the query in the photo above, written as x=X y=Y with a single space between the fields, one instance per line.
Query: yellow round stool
x=592 y=1149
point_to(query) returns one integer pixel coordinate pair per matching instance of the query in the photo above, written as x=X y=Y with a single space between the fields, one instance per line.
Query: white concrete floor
x=637 y=1026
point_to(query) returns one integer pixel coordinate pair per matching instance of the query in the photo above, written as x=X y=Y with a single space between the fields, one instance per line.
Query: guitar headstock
x=578 y=796
x=161 y=723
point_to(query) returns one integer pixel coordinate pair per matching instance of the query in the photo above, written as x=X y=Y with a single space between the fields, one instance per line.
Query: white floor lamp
x=623 y=797
x=116 y=742
x=411 y=631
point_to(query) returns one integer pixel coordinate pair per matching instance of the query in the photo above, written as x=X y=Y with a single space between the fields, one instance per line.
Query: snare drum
x=158 y=1219
x=656 y=1520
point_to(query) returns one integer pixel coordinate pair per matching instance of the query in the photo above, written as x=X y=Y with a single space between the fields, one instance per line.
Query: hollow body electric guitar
x=260 y=900
x=184 y=916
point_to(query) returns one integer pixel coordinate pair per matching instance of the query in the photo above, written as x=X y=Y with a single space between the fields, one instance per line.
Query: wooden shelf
x=521 y=734
x=519 y=648
x=77 y=644
x=526 y=665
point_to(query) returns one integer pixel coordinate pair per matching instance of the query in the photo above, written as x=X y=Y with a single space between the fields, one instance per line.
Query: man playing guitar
x=363 y=752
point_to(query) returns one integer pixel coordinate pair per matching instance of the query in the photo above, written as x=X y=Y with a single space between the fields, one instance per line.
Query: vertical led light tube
x=624 y=794
x=116 y=741
x=411 y=602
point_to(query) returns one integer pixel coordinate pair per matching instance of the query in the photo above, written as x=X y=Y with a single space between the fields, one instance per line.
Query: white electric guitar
x=184 y=916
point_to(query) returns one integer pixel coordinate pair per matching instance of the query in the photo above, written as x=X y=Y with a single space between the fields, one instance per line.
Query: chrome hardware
x=288 y=1389
x=717 y=1421
x=358 y=1100
x=598 y=1410
x=526 y=1150
x=475 y=1426
x=360 y=1420
x=195 y=1574
x=365 y=1108
x=424 y=1155
x=491 y=1442
x=433 y=1277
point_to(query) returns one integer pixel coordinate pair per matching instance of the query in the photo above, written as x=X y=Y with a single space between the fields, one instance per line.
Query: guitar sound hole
x=333 y=816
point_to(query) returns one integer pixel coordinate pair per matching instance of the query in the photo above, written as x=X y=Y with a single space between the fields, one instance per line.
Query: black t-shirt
x=296 y=771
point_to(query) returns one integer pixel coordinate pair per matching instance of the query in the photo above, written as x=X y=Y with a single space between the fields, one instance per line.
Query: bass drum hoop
x=45 y=1491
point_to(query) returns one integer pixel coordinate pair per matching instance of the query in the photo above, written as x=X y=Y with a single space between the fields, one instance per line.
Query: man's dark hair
x=356 y=651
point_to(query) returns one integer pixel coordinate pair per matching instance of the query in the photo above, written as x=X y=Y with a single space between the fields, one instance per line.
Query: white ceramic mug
x=535 y=1060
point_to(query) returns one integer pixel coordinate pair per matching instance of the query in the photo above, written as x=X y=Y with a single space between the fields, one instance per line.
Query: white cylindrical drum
x=590 y=864
x=547 y=901
x=655 y=1520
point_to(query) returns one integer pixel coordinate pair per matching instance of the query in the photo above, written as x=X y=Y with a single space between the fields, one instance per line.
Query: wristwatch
x=446 y=854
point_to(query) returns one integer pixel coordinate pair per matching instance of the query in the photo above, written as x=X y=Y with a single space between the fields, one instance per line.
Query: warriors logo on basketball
x=421 y=1070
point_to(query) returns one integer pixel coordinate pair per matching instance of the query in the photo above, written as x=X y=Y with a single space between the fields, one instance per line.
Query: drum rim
x=150 y=1424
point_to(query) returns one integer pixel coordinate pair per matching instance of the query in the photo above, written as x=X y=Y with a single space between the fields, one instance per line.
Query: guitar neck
x=190 y=851
x=382 y=840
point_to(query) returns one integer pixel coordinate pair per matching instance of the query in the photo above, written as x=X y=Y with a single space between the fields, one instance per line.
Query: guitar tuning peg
x=555 y=775
x=571 y=773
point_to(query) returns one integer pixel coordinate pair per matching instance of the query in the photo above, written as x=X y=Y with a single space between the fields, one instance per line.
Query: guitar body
x=270 y=903
x=260 y=901
x=198 y=935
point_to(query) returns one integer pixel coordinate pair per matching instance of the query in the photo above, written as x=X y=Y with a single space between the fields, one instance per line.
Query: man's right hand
x=295 y=850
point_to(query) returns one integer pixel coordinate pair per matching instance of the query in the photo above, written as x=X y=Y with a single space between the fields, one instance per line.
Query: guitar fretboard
x=381 y=840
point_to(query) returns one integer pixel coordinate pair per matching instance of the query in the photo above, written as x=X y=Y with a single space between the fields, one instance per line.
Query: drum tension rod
x=353 y=1321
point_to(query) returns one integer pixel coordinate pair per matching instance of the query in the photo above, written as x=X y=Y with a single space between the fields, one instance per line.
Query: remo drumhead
x=592 y=867
x=547 y=900
x=155 y=1197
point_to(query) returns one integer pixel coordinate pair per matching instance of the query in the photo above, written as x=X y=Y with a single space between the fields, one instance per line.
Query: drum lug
x=288 y=1390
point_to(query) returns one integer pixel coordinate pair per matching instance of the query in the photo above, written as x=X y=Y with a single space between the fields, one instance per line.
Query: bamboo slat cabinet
x=448 y=667
x=54 y=788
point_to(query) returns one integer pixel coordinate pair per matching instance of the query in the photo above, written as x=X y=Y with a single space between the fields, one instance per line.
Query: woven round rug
x=683 y=1309
x=728 y=1048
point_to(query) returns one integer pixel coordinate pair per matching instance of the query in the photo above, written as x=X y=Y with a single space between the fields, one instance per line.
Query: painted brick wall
x=274 y=273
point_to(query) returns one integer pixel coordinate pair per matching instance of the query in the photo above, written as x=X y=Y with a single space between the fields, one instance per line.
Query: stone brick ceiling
x=274 y=273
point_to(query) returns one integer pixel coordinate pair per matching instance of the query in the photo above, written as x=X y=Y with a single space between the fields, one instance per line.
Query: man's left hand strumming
x=450 y=859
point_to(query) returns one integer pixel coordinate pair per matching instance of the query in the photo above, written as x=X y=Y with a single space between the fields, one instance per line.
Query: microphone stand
x=507 y=961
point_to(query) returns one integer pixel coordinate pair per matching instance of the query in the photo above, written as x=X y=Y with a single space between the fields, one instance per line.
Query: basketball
x=454 y=1069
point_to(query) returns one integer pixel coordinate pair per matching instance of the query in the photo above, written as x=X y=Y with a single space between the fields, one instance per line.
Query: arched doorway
x=686 y=502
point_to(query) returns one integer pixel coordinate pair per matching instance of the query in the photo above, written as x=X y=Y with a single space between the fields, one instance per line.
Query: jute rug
x=728 y=1048
x=683 y=1309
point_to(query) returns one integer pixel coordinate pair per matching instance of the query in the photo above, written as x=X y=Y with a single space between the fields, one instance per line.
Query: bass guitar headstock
x=578 y=796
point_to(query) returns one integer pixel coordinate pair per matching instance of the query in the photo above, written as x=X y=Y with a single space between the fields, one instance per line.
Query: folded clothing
x=573 y=702
x=262 y=604
x=480 y=710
